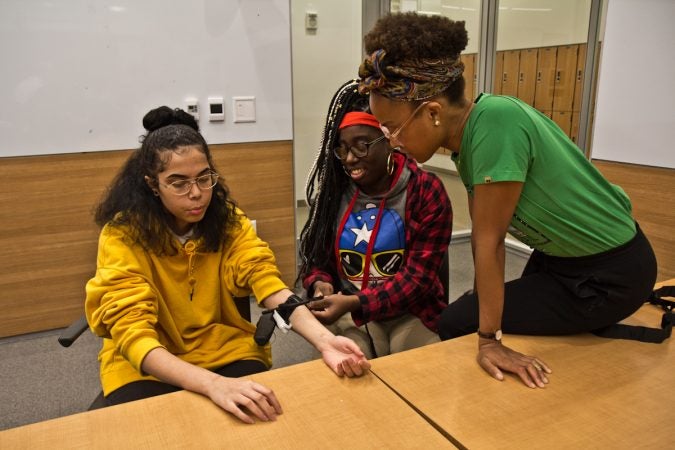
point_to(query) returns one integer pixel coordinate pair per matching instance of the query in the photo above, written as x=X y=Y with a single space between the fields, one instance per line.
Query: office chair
x=75 y=330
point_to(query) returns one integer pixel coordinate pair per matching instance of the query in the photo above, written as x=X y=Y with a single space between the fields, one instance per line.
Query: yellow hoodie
x=139 y=301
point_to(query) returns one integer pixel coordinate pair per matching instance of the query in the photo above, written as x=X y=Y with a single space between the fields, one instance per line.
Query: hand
x=331 y=308
x=237 y=396
x=493 y=356
x=322 y=289
x=344 y=357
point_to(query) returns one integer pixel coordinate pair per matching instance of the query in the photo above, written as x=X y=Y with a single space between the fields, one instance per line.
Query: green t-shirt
x=566 y=208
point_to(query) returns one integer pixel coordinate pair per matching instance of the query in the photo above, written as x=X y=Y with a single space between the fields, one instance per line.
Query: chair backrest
x=243 y=305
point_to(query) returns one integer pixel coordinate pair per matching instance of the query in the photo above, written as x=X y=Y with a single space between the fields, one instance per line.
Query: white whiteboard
x=78 y=75
x=635 y=112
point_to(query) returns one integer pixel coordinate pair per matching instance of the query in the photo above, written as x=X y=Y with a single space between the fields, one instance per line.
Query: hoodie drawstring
x=190 y=248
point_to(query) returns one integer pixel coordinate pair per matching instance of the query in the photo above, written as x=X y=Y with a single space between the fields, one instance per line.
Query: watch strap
x=496 y=336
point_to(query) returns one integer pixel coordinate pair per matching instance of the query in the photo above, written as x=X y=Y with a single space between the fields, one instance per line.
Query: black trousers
x=558 y=296
x=149 y=388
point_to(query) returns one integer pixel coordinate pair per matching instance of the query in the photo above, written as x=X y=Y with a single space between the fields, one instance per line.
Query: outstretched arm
x=341 y=354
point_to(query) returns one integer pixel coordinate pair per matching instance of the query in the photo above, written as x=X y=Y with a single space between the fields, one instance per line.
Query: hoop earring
x=155 y=192
x=390 y=164
x=346 y=171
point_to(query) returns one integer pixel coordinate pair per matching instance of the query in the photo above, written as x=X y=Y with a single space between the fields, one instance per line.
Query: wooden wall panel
x=650 y=190
x=260 y=177
x=49 y=238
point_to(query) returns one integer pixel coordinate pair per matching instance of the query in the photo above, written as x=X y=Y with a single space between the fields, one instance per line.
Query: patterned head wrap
x=409 y=80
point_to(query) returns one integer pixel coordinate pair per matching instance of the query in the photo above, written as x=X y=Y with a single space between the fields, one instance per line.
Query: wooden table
x=603 y=393
x=320 y=411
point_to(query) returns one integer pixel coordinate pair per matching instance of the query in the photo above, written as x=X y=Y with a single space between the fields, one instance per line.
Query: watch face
x=498 y=335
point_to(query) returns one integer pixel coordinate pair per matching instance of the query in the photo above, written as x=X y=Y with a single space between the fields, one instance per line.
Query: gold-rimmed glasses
x=389 y=135
x=183 y=187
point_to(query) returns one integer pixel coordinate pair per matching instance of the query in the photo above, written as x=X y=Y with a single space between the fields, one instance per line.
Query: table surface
x=603 y=393
x=320 y=410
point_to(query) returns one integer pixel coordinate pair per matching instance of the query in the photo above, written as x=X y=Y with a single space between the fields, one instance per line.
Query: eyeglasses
x=396 y=132
x=360 y=150
x=183 y=187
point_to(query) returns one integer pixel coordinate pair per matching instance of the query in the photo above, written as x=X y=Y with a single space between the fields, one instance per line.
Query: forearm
x=489 y=264
x=303 y=321
x=306 y=325
x=170 y=369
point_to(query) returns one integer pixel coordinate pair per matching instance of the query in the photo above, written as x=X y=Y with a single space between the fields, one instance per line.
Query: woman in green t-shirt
x=591 y=265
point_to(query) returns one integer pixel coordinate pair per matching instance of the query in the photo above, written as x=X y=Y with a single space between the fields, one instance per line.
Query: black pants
x=557 y=296
x=149 y=388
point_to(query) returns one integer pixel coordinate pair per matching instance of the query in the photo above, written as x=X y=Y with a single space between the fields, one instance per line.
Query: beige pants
x=389 y=336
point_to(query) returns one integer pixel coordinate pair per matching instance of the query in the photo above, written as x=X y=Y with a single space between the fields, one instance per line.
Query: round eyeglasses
x=389 y=135
x=360 y=150
x=183 y=187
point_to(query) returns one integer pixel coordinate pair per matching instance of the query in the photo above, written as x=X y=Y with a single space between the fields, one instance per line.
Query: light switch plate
x=243 y=109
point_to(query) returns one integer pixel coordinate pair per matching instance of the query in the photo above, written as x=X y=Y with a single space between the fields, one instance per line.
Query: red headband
x=359 y=118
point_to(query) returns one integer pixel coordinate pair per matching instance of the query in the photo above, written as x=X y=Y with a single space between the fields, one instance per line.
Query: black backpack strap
x=646 y=334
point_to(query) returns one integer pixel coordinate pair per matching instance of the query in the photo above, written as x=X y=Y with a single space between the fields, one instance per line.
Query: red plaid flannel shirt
x=416 y=288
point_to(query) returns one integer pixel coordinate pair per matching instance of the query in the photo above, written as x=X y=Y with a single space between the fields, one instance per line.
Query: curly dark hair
x=326 y=183
x=130 y=201
x=411 y=36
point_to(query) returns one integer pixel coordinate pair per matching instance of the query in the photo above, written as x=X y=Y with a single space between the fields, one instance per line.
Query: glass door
x=470 y=12
x=541 y=57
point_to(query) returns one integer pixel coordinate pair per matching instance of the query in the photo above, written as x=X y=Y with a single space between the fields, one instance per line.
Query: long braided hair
x=326 y=182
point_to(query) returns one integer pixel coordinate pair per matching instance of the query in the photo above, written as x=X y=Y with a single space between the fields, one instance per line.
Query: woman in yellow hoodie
x=173 y=252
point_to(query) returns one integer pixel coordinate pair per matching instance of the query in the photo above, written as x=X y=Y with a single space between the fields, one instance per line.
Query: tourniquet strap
x=646 y=334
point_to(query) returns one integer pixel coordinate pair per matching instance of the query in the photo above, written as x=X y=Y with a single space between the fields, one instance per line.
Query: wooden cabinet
x=510 y=70
x=499 y=69
x=564 y=120
x=565 y=76
x=545 y=80
x=574 y=131
x=549 y=78
x=579 y=80
x=470 y=78
x=527 y=74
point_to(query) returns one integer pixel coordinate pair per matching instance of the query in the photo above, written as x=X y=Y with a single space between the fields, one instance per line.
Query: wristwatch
x=496 y=336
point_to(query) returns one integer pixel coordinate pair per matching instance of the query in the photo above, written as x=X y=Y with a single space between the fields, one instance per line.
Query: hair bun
x=164 y=116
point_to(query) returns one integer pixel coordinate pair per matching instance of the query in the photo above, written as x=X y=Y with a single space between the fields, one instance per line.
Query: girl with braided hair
x=378 y=230
x=173 y=252
x=591 y=266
